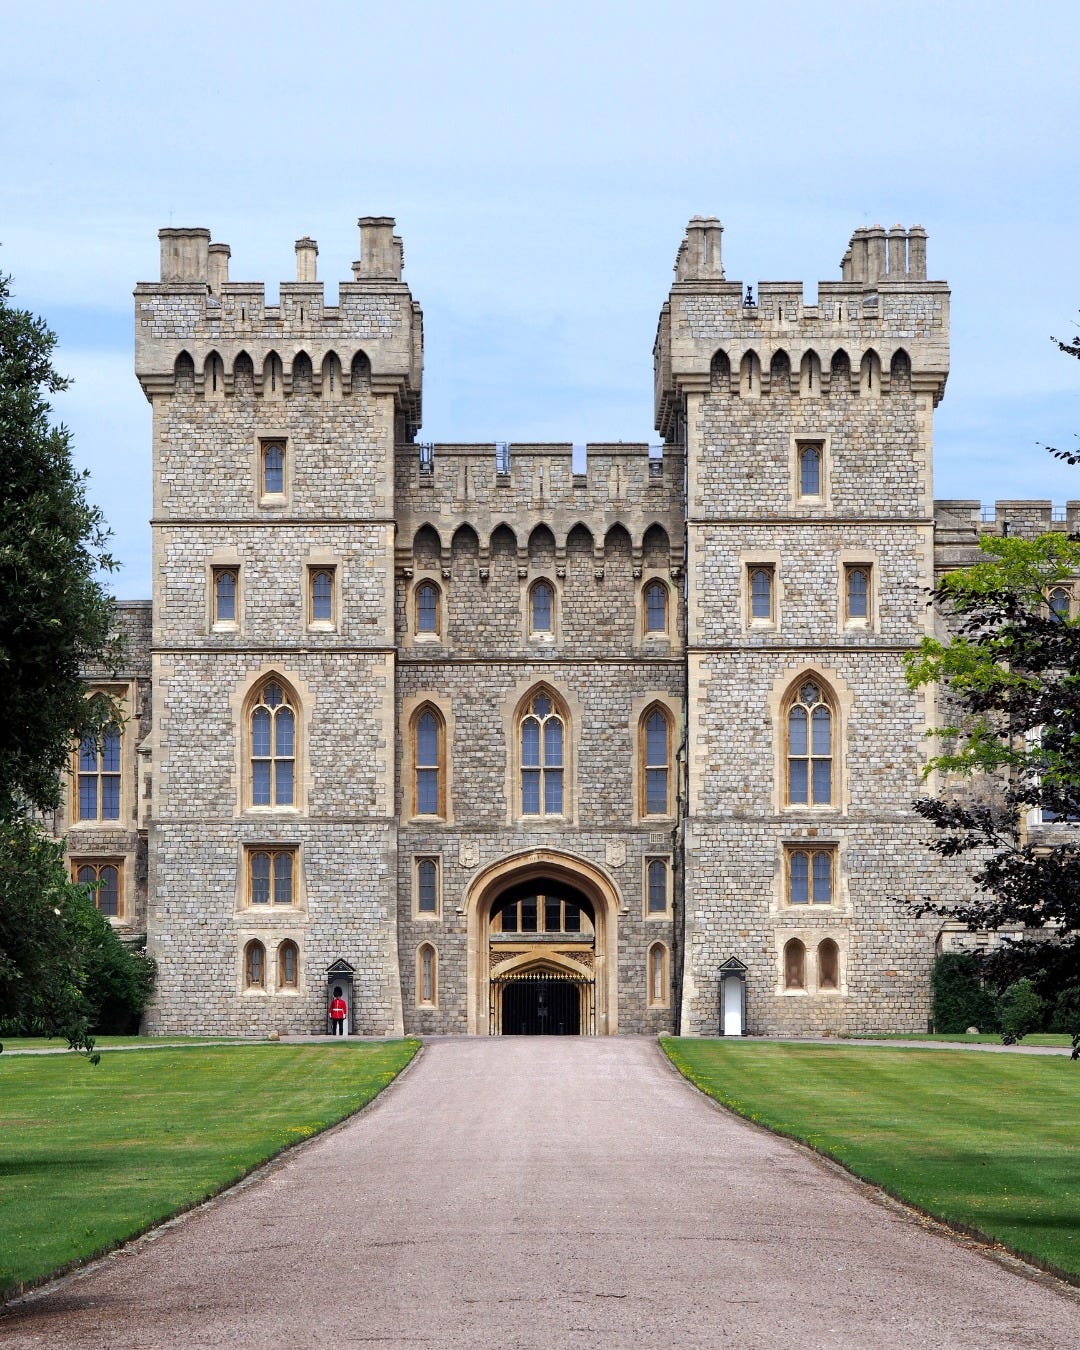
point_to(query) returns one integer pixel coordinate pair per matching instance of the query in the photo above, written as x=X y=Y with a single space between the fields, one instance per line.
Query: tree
x=1009 y=678
x=55 y=619
x=55 y=616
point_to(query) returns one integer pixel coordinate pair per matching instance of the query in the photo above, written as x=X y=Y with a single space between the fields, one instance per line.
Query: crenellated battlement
x=882 y=317
x=627 y=485
x=195 y=324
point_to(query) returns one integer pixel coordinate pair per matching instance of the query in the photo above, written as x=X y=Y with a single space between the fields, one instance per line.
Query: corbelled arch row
x=650 y=543
x=550 y=872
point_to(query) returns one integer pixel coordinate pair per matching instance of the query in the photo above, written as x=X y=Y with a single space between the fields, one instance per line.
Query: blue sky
x=541 y=162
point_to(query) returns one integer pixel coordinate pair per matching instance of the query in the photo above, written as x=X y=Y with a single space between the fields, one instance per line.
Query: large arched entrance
x=542 y=947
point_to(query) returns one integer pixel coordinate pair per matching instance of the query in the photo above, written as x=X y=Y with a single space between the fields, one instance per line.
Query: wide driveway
x=541 y=1192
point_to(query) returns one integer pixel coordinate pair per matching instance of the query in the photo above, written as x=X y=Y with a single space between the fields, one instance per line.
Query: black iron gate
x=542 y=1003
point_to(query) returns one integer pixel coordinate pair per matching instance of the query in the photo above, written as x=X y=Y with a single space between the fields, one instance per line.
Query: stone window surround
x=811 y=504
x=319 y=562
x=244 y=699
x=640 y=708
x=271 y=943
x=811 y=937
x=750 y=561
x=430 y=577
x=427 y=915
x=244 y=889
x=514 y=707
x=421 y=950
x=528 y=582
x=411 y=708
x=215 y=567
x=98 y=861
x=661 y=998
x=654 y=915
x=124 y=694
x=810 y=840
x=263 y=438
x=669 y=634
x=848 y=560
x=841 y=700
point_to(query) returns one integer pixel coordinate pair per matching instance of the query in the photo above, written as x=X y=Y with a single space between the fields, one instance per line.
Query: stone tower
x=273 y=835
x=808 y=433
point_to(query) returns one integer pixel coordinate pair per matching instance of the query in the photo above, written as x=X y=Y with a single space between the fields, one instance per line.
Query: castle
x=495 y=745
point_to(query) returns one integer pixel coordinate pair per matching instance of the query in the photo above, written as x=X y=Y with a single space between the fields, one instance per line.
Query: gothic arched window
x=809 y=746
x=254 y=966
x=427 y=976
x=288 y=966
x=654 y=740
x=272 y=727
x=542 y=608
x=656 y=607
x=828 y=958
x=794 y=965
x=99 y=776
x=428 y=751
x=541 y=731
x=427 y=606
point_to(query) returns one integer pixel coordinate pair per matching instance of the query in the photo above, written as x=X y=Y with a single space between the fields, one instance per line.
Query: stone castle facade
x=496 y=741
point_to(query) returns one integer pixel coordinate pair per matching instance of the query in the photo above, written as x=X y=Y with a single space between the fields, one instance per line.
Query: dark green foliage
x=54 y=614
x=1021 y=1009
x=960 y=999
x=63 y=970
x=1065 y=1013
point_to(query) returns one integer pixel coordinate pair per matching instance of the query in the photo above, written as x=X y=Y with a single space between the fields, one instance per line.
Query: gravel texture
x=538 y=1192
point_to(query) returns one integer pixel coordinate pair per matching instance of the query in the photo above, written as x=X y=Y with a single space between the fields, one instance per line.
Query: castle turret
x=807 y=431
x=273 y=850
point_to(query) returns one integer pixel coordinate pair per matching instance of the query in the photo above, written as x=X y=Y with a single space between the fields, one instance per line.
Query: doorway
x=541 y=1005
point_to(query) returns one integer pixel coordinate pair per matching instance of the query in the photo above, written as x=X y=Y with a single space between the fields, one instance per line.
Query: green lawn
x=91 y=1156
x=987 y=1142
x=13 y=1043
x=1041 y=1038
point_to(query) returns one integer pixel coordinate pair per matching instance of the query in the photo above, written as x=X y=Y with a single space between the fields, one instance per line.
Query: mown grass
x=1041 y=1038
x=989 y=1143
x=12 y=1044
x=92 y=1156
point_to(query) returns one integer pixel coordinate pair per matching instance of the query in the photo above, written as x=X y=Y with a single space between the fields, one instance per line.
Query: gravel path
x=543 y=1192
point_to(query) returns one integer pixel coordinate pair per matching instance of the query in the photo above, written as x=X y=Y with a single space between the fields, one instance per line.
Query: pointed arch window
x=272 y=723
x=428 y=751
x=273 y=468
x=254 y=966
x=857 y=593
x=810 y=876
x=656 y=607
x=271 y=876
x=657 y=872
x=321 y=595
x=810 y=465
x=226 y=588
x=762 y=586
x=427 y=976
x=99 y=776
x=658 y=975
x=105 y=878
x=288 y=966
x=794 y=965
x=428 y=608
x=828 y=960
x=1058 y=603
x=655 y=748
x=542 y=609
x=810 y=747
x=542 y=738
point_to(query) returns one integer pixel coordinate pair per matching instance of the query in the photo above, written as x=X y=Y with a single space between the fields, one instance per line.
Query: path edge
x=1064 y=1282
x=29 y=1291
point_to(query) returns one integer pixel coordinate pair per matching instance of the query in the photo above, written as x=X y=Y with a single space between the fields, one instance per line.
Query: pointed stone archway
x=555 y=868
